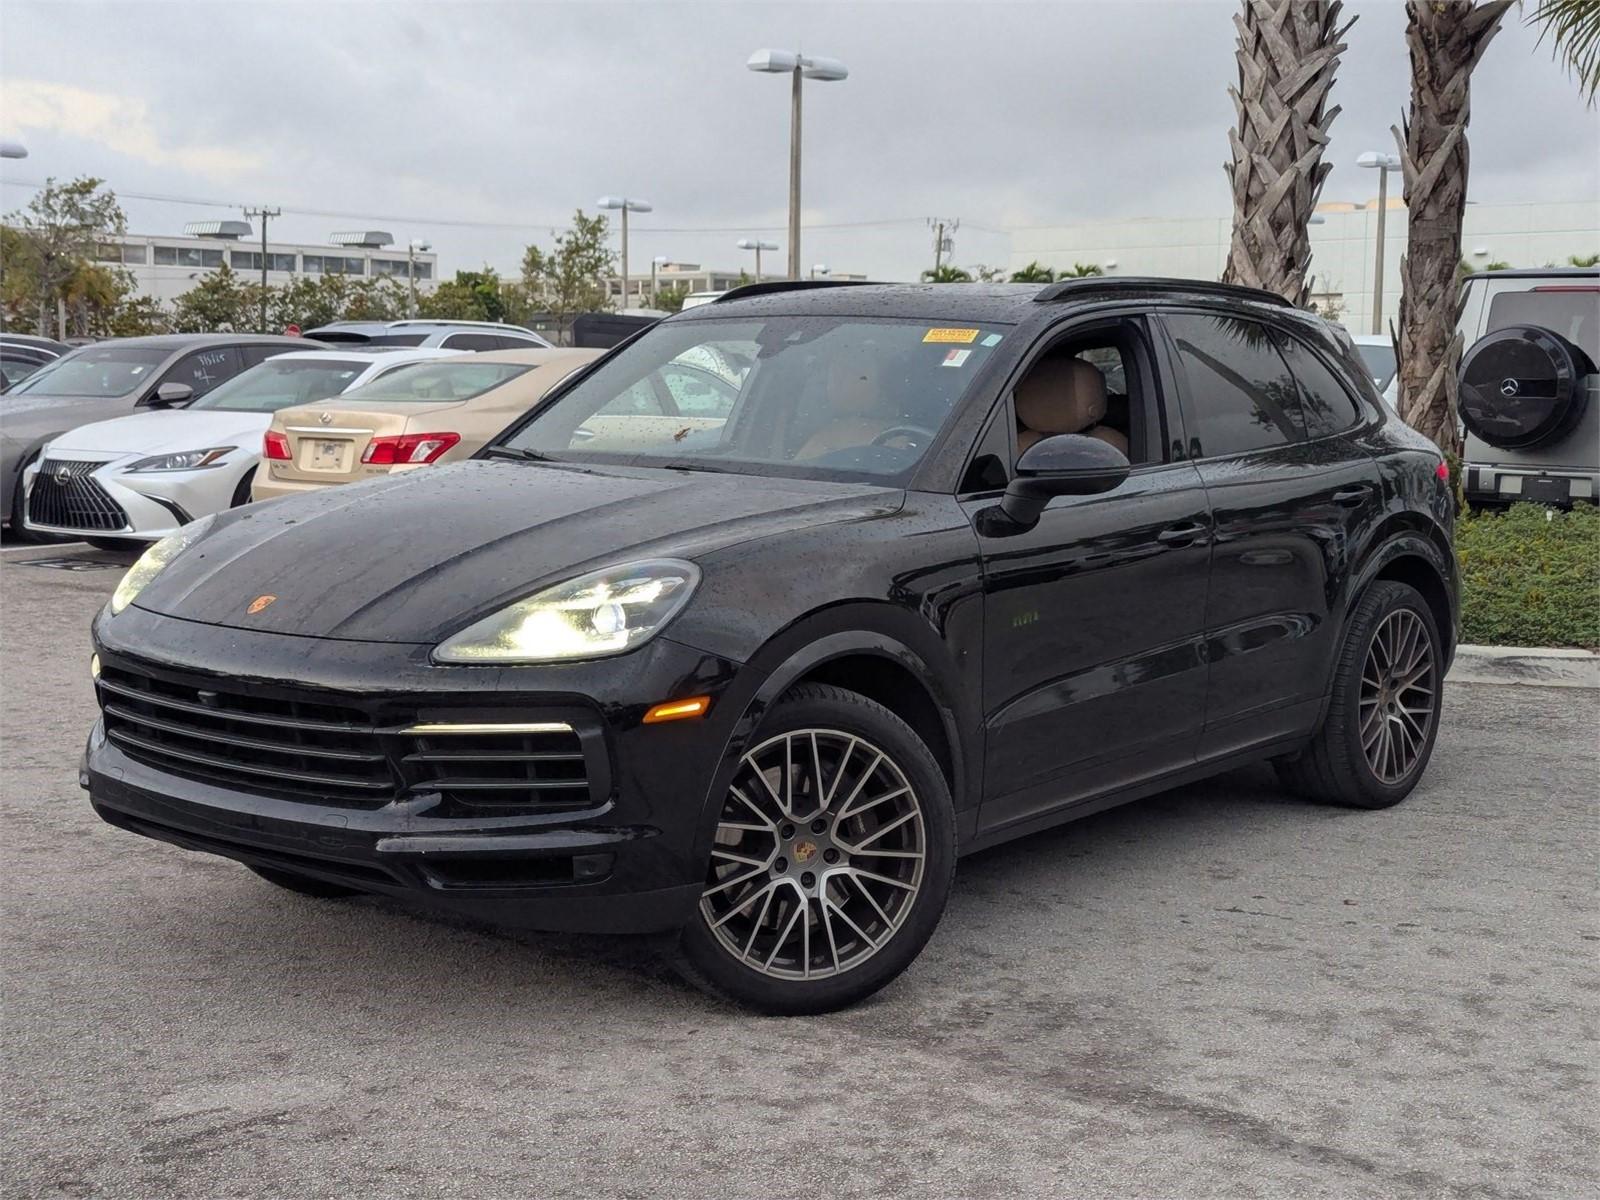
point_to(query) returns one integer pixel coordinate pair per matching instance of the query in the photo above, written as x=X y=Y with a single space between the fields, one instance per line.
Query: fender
x=808 y=644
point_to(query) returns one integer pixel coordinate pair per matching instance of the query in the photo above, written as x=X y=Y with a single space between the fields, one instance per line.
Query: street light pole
x=1383 y=164
x=655 y=292
x=798 y=67
x=266 y=214
x=758 y=246
x=626 y=206
x=414 y=247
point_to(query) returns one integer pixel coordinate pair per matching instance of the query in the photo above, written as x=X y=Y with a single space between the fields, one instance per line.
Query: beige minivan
x=436 y=412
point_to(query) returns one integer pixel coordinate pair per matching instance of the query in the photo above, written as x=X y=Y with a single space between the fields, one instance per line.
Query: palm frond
x=1573 y=27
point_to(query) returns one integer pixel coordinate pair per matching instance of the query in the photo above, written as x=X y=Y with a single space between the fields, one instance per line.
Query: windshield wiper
x=517 y=452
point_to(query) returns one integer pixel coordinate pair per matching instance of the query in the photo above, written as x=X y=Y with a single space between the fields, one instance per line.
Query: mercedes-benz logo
x=325 y=418
x=1509 y=387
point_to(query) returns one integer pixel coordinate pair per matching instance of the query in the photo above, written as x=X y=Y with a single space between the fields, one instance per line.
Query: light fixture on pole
x=818 y=269
x=1383 y=164
x=656 y=263
x=624 y=205
x=797 y=66
x=13 y=150
x=414 y=247
x=758 y=246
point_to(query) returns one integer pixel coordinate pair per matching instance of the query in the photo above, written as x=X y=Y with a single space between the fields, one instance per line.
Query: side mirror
x=1068 y=464
x=169 y=395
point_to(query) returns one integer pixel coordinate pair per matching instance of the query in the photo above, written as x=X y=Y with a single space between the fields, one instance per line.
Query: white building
x=1343 y=247
x=165 y=267
x=692 y=277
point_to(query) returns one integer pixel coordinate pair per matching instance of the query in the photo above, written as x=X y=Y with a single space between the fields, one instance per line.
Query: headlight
x=184 y=460
x=604 y=612
x=153 y=561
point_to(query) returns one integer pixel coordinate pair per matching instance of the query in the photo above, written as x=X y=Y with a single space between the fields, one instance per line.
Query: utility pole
x=266 y=214
x=942 y=243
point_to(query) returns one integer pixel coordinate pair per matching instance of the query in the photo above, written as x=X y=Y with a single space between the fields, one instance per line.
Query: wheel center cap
x=804 y=850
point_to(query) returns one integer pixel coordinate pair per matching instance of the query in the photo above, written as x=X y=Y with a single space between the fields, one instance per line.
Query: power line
x=519 y=226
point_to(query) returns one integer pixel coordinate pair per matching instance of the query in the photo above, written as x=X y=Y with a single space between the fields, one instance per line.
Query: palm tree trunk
x=1446 y=39
x=1288 y=54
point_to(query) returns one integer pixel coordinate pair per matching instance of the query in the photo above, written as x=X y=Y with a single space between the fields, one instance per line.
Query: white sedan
x=124 y=482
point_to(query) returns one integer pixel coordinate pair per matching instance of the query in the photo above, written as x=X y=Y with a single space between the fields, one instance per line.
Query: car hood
x=164 y=430
x=411 y=558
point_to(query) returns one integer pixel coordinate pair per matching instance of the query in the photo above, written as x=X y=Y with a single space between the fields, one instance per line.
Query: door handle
x=1352 y=497
x=1180 y=535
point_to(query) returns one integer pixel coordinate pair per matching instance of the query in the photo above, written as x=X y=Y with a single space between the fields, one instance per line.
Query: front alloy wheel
x=831 y=859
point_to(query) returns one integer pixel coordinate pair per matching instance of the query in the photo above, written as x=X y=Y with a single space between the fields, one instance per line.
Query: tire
x=1375 y=741
x=304 y=884
x=117 y=545
x=831 y=936
x=241 y=494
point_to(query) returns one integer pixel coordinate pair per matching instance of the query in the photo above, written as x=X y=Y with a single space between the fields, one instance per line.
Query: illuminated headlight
x=184 y=460
x=154 y=560
x=610 y=611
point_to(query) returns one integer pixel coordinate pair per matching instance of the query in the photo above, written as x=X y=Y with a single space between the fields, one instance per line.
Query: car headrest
x=1061 y=395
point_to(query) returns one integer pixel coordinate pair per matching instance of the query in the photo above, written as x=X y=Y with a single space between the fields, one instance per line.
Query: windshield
x=440 y=382
x=814 y=397
x=1380 y=362
x=278 y=384
x=95 y=371
x=1571 y=311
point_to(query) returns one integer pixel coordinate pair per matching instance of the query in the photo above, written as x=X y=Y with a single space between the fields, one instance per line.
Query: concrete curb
x=1539 y=666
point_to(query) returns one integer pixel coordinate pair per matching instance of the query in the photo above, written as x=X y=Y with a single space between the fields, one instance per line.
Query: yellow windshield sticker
x=951 y=335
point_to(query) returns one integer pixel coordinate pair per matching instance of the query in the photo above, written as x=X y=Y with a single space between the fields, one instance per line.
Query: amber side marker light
x=678 y=710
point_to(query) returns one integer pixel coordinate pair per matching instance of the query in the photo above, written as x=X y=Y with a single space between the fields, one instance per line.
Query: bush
x=1531 y=577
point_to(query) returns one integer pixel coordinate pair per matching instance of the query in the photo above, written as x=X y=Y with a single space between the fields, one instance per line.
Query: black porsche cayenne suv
x=745 y=634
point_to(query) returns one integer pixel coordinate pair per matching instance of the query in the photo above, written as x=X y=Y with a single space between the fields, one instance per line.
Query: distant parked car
x=1529 y=387
x=135 y=479
x=1377 y=355
x=109 y=379
x=449 y=335
x=18 y=360
x=415 y=417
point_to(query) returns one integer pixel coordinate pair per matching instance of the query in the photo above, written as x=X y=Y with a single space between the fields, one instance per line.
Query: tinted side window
x=204 y=369
x=254 y=356
x=1325 y=402
x=472 y=341
x=1239 y=395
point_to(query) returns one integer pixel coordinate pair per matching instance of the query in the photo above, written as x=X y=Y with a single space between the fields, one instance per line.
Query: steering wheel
x=914 y=431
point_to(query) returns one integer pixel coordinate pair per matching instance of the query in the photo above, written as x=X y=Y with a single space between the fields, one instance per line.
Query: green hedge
x=1531 y=577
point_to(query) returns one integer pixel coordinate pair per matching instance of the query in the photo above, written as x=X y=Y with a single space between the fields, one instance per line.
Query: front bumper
x=150 y=505
x=631 y=861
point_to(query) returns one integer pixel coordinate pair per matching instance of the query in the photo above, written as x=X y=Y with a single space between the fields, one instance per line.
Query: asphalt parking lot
x=1217 y=992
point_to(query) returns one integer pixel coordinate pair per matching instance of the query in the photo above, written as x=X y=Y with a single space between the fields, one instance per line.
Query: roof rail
x=1071 y=289
x=447 y=321
x=768 y=286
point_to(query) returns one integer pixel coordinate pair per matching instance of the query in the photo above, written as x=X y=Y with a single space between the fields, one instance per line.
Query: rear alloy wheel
x=1383 y=715
x=831 y=861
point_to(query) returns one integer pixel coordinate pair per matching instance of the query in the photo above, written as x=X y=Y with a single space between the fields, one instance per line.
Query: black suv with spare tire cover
x=1529 y=390
x=956 y=564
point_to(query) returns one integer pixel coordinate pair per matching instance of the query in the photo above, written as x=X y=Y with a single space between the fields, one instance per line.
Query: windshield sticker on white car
x=954 y=358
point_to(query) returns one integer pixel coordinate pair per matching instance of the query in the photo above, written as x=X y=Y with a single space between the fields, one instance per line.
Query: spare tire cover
x=1520 y=387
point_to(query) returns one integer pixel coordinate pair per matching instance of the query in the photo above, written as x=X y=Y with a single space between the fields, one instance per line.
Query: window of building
x=1239 y=394
x=119 y=252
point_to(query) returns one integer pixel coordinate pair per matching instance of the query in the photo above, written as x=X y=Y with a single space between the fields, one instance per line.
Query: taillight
x=407 y=448
x=275 y=445
x=1442 y=471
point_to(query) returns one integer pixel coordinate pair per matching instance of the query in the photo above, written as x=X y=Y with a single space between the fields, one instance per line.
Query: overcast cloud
x=1004 y=115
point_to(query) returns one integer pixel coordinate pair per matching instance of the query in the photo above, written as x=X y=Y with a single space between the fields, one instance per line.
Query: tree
x=1573 y=27
x=946 y=274
x=53 y=239
x=1584 y=260
x=1446 y=42
x=470 y=296
x=570 y=279
x=220 y=303
x=1081 y=271
x=670 y=299
x=1288 y=55
x=138 y=316
x=1034 y=272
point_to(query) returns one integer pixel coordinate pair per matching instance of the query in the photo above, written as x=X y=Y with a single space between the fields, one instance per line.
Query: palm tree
x=1446 y=41
x=1034 y=272
x=946 y=274
x=1573 y=27
x=1081 y=271
x=1288 y=54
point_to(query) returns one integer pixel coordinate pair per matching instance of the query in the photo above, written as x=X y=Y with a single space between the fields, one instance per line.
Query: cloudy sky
x=481 y=126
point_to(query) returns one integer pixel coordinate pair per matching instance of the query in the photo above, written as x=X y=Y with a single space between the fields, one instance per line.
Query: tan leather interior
x=1062 y=394
x=853 y=401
